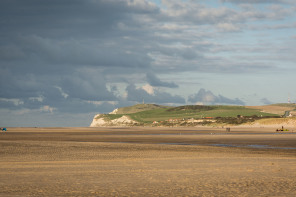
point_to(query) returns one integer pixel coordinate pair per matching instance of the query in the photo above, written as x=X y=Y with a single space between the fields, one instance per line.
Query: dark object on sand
x=282 y=129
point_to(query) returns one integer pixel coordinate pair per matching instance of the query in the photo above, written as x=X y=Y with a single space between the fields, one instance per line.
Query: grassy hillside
x=139 y=108
x=148 y=113
x=196 y=112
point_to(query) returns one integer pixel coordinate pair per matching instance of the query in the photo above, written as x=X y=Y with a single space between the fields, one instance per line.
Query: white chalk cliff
x=100 y=121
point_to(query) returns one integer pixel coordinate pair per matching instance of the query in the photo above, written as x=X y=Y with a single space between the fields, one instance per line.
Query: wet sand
x=145 y=161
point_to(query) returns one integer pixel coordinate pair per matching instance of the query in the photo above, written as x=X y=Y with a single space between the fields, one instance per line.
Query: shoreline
x=253 y=127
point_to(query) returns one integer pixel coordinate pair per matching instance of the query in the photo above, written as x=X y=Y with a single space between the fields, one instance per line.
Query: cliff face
x=101 y=121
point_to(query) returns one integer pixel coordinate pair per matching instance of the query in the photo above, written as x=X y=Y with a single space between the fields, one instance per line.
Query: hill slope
x=189 y=115
x=138 y=108
x=275 y=108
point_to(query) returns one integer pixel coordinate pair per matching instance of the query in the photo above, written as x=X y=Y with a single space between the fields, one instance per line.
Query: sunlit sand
x=146 y=161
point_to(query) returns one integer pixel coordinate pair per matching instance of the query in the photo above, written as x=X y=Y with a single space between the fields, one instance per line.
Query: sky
x=63 y=61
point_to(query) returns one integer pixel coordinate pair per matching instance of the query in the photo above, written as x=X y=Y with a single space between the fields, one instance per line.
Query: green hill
x=148 y=114
x=139 y=108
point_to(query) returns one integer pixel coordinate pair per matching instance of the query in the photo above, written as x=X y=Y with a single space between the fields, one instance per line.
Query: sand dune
x=147 y=162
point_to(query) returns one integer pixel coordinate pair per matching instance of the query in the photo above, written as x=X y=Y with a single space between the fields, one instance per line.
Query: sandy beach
x=147 y=161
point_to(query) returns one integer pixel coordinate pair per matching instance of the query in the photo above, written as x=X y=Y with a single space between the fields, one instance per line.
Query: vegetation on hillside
x=139 y=108
x=190 y=115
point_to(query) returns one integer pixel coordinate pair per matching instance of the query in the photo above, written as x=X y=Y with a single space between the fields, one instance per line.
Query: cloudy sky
x=63 y=61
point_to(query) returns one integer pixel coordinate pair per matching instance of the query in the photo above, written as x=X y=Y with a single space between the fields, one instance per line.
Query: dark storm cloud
x=9 y=104
x=207 y=97
x=19 y=85
x=53 y=36
x=57 y=51
x=86 y=86
x=156 y=82
x=44 y=55
x=81 y=18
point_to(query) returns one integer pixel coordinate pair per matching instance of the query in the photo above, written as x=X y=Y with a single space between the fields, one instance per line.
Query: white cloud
x=148 y=88
x=47 y=108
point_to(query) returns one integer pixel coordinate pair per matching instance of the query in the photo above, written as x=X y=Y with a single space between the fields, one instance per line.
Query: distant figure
x=4 y=129
x=282 y=129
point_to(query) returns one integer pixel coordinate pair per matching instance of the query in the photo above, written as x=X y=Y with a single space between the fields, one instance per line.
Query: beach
x=147 y=161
